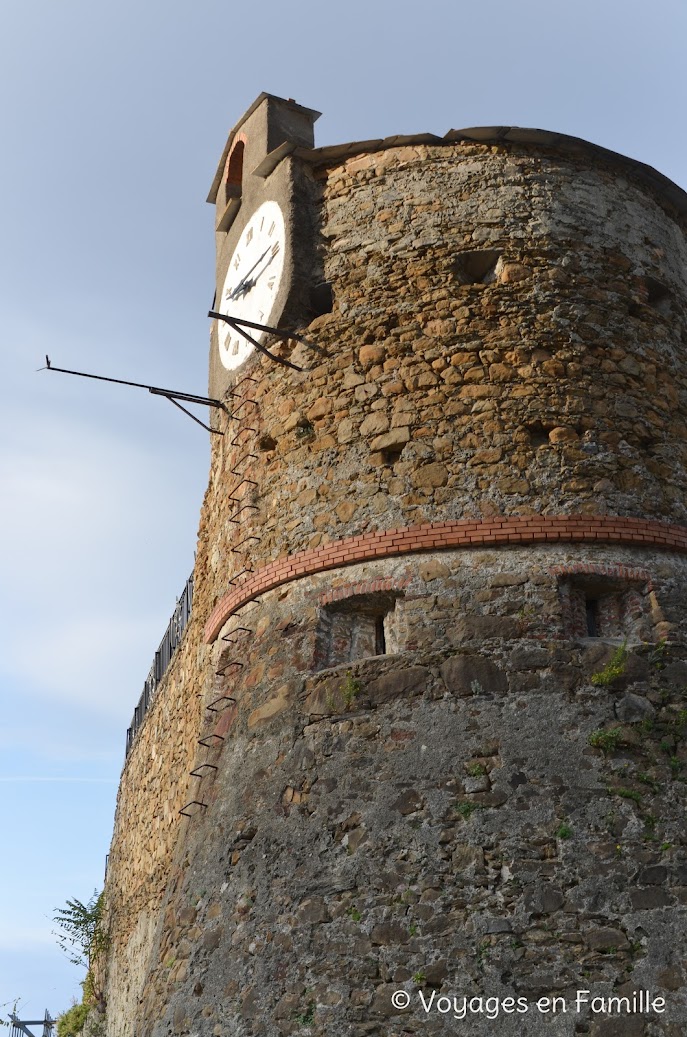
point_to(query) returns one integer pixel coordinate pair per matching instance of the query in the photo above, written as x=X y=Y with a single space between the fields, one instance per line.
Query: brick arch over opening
x=438 y=536
x=233 y=170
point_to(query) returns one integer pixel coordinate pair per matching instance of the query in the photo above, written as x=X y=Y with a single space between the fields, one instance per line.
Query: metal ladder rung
x=223 y=669
x=204 y=740
x=248 y=569
x=230 y=641
x=240 y=461
x=243 y=401
x=244 y=541
x=214 y=708
x=201 y=766
x=193 y=803
x=234 y=441
x=246 y=507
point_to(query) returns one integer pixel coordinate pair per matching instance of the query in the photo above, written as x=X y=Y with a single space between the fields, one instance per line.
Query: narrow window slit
x=592 y=610
x=380 y=639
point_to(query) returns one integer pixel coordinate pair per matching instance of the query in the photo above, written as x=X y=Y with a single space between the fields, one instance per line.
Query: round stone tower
x=417 y=762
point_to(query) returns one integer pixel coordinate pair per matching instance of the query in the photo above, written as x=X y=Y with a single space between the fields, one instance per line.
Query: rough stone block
x=397 y=684
x=468 y=628
x=430 y=476
x=631 y=709
x=467 y=675
x=275 y=705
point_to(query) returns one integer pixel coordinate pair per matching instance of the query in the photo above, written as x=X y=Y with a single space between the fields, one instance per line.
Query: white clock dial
x=252 y=281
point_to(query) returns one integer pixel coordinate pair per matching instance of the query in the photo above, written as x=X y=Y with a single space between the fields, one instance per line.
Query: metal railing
x=20 y=1027
x=163 y=657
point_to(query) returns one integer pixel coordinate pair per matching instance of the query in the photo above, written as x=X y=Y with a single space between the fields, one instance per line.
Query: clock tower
x=422 y=740
x=264 y=233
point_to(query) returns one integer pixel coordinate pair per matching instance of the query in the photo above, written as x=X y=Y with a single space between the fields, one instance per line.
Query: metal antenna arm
x=170 y=394
x=186 y=396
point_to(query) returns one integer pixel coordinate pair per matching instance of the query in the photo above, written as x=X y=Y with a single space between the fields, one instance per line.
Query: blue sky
x=113 y=118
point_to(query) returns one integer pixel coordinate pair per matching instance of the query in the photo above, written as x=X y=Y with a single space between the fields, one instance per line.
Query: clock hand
x=245 y=284
x=261 y=272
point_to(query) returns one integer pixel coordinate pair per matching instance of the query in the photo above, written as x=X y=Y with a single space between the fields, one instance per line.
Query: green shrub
x=71 y=1022
x=350 y=689
x=614 y=668
x=466 y=808
x=607 y=741
x=626 y=794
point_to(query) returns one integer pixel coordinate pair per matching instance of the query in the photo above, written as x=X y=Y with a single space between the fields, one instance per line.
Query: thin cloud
x=87 y=781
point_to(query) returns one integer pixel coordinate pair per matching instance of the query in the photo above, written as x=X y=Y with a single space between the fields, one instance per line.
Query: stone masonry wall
x=555 y=387
x=469 y=814
x=153 y=788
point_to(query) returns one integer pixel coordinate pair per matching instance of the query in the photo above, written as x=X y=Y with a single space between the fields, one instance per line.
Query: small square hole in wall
x=478 y=267
x=659 y=296
x=321 y=299
x=604 y=607
x=358 y=627
x=654 y=294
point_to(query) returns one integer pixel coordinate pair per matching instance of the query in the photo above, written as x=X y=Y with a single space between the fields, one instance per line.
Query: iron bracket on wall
x=240 y=325
x=170 y=394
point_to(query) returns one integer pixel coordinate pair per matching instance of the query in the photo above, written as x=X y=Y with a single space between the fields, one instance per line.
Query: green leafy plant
x=626 y=794
x=608 y=741
x=614 y=668
x=476 y=770
x=83 y=936
x=354 y=914
x=350 y=689
x=467 y=809
x=419 y=978
x=657 y=657
x=71 y=1022
x=308 y=1015
x=84 y=939
x=564 y=831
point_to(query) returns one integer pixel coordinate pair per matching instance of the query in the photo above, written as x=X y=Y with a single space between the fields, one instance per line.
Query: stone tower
x=423 y=737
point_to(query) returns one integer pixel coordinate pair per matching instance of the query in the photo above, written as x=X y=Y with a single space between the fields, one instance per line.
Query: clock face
x=252 y=281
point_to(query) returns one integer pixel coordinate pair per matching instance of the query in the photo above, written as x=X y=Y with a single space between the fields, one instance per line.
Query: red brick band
x=441 y=536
